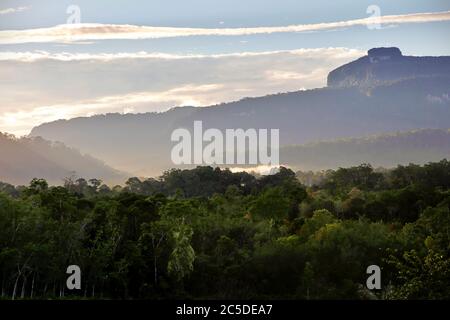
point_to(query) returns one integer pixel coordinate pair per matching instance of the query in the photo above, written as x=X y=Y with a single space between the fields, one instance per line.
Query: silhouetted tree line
x=211 y=233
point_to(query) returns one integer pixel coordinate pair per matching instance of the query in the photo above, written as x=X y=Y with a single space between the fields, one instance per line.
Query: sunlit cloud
x=183 y=96
x=14 y=10
x=32 y=56
x=90 y=31
x=40 y=87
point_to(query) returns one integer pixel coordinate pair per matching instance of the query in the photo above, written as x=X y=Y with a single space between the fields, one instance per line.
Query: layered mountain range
x=382 y=92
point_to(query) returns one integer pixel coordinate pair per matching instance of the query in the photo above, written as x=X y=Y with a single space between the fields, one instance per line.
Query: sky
x=64 y=59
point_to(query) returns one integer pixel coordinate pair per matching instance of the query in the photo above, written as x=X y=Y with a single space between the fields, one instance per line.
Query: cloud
x=40 y=87
x=91 y=31
x=181 y=96
x=13 y=10
x=33 y=56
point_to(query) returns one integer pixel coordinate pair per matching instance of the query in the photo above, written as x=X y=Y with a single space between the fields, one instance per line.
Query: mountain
x=387 y=65
x=398 y=100
x=386 y=150
x=27 y=158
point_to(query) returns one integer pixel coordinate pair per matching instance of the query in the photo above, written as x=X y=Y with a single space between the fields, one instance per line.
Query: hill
x=27 y=158
x=387 y=150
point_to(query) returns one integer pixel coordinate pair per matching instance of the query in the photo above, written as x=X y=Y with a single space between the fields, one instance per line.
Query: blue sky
x=127 y=63
x=207 y=13
x=413 y=39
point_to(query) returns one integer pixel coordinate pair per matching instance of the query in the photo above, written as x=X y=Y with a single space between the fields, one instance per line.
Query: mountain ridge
x=385 y=150
x=141 y=143
x=384 y=65
x=26 y=158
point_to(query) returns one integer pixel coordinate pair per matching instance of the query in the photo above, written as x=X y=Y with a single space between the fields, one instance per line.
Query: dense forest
x=210 y=233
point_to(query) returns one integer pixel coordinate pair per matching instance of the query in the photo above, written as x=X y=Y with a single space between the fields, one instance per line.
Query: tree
x=37 y=186
x=154 y=236
x=181 y=261
x=272 y=203
x=421 y=277
x=95 y=183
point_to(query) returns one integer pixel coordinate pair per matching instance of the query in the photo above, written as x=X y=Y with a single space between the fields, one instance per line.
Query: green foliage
x=181 y=261
x=420 y=277
x=211 y=233
x=319 y=219
x=362 y=177
x=272 y=203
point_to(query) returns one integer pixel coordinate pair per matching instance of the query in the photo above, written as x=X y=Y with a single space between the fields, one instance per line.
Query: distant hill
x=140 y=143
x=387 y=150
x=27 y=158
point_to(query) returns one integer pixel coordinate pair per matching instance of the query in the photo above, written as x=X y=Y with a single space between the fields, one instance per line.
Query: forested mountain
x=26 y=158
x=386 y=150
x=419 y=99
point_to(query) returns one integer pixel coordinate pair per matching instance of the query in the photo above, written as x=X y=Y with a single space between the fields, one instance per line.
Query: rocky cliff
x=385 y=66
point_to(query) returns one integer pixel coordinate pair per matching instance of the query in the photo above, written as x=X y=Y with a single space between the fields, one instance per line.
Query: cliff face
x=385 y=66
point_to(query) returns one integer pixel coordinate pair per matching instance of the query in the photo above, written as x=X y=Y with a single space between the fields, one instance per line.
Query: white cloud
x=40 y=87
x=20 y=120
x=13 y=10
x=91 y=31
x=32 y=56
